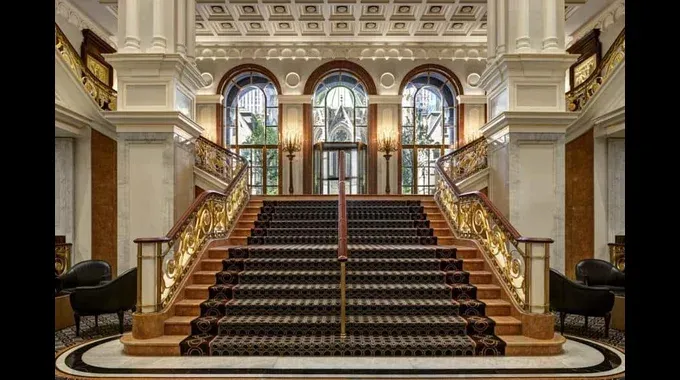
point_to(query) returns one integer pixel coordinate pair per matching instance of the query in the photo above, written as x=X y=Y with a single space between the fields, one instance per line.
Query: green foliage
x=257 y=136
x=421 y=138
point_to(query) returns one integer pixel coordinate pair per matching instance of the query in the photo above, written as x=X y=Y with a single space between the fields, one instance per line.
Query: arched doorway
x=340 y=112
x=250 y=124
x=428 y=125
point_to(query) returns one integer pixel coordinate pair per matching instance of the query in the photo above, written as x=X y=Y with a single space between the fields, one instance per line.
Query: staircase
x=273 y=289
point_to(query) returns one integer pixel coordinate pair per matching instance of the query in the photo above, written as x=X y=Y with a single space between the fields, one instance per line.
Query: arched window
x=251 y=127
x=340 y=109
x=428 y=127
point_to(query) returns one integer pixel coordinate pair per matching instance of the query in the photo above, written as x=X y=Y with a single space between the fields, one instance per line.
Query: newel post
x=537 y=274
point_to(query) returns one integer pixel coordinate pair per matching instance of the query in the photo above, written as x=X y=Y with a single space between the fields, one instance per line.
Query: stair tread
x=336 y=301
x=198 y=286
x=180 y=319
x=190 y=302
x=337 y=286
x=487 y=286
x=495 y=302
x=505 y=320
x=163 y=340
x=357 y=319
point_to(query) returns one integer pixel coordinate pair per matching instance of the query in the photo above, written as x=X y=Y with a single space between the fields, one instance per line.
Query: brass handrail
x=579 y=95
x=342 y=240
x=105 y=96
x=62 y=257
x=212 y=215
x=617 y=255
x=472 y=216
x=215 y=160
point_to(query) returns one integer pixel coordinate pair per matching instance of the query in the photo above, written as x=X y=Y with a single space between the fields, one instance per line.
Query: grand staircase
x=274 y=287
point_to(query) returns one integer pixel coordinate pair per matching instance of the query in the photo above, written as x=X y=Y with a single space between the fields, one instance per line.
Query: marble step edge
x=168 y=345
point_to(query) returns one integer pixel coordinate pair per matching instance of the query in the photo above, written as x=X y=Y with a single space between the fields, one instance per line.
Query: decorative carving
x=100 y=71
x=75 y=17
x=101 y=93
x=473 y=79
x=617 y=255
x=387 y=80
x=292 y=79
x=584 y=69
x=579 y=96
x=590 y=55
x=62 y=257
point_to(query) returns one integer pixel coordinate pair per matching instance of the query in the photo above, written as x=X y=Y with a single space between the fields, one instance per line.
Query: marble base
x=105 y=358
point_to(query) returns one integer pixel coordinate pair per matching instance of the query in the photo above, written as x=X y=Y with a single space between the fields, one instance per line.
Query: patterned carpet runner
x=280 y=295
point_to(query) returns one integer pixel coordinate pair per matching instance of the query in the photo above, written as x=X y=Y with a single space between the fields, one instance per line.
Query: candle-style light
x=291 y=143
x=387 y=144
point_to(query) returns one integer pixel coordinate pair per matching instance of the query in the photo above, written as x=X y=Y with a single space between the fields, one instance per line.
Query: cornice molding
x=471 y=99
x=320 y=51
x=141 y=65
x=528 y=122
x=295 y=99
x=210 y=98
x=78 y=18
x=154 y=121
x=602 y=20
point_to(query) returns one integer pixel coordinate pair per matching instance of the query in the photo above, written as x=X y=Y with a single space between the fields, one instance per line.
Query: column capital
x=209 y=98
x=528 y=122
x=157 y=65
x=471 y=99
x=154 y=122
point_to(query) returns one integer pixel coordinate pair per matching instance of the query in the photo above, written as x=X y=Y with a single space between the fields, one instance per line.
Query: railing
x=62 y=257
x=102 y=94
x=212 y=215
x=469 y=159
x=617 y=255
x=579 y=96
x=472 y=216
x=342 y=240
x=215 y=160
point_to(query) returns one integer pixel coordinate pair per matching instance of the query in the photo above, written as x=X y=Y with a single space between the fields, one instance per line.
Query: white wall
x=64 y=186
x=74 y=35
x=184 y=179
x=616 y=180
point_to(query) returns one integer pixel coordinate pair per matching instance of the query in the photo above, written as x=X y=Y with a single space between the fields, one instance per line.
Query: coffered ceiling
x=432 y=21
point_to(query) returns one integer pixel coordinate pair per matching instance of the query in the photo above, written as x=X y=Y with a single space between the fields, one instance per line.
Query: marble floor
x=104 y=358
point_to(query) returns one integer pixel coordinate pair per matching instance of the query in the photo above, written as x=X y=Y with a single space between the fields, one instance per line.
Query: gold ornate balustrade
x=212 y=215
x=216 y=160
x=101 y=93
x=469 y=160
x=579 y=95
x=472 y=216
x=617 y=255
x=62 y=257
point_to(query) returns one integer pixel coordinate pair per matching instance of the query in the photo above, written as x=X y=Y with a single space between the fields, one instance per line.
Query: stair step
x=210 y=264
x=496 y=307
x=352 y=345
x=164 y=345
x=507 y=325
x=220 y=252
x=488 y=291
x=197 y=291
x=204 y=277
x=480 y=277
x=178 y=325
x=188 y=307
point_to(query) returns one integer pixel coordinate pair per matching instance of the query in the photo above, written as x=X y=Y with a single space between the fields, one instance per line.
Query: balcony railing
x=101 y=93
x=578 y=97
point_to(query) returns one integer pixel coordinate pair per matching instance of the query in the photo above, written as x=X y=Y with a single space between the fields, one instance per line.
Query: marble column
x=616 y=186
x=64 y=187
x=527 y=120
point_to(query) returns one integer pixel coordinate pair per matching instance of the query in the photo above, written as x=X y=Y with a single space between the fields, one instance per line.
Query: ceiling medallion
x=428 y=25
x=248 y=9
x=435 y=9
x=310 y=9
x=466 y=9
x=284 y=25
x=373 y=9
x=255 y=25
x=217 y=9
x=280 y=9
x=342 y=9
x=342 y=25
x=399 y=25
x=227 y=25
x=457 y=25
x=404 y=9
x=313 y=25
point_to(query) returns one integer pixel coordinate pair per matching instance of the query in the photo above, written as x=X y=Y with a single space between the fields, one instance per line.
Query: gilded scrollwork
x=103 y=95
x=617 y=255
x=216 y=160
x=579 y=96
x=471 y=218
x=62 y=257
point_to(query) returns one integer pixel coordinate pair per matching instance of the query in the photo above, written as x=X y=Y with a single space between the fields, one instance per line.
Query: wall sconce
x=388 y=144
x=291 y=143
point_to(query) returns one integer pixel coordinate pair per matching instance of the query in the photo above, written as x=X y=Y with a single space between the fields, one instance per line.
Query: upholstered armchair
x=85 y=273
x=115 y=296
x=600 y=273
x=570 y=297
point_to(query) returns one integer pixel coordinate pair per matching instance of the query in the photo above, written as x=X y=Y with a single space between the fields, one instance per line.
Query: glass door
x=326 y=173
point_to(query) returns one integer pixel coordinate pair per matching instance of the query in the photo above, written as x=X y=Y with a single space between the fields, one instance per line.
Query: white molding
x=608 y=16
x=68 y=121
x=471 y=99
x=385 y=99
x=610 y=118
x=154 y=121
x=612 y=92
x=342 y=50
x=528 y=122
x=206 y=181
x=130 y=65
x=356 y=40
x=475 y=182
x=295 y=99
x=81 y=20
x=210 y=98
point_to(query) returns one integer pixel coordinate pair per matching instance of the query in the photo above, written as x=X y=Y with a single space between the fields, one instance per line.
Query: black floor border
x=74 y=361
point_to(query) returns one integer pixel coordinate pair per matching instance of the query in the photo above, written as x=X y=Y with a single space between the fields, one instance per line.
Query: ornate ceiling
x=298 y=21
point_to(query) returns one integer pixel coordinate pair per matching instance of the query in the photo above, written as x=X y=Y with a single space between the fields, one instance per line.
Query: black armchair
x=570 y=297
x=602 y=274
x=115 y=296
x=85 y=273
